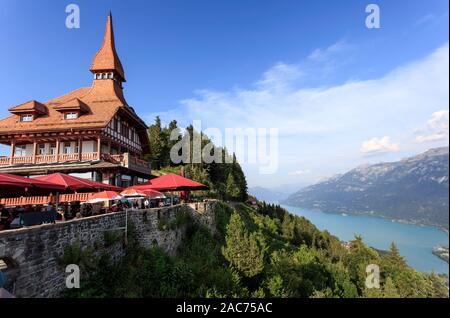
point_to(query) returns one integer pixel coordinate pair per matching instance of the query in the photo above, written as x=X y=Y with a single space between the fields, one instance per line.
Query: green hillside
x=256 y=252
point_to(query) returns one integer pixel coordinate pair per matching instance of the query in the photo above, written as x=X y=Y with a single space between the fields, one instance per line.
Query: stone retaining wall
x=33 y=254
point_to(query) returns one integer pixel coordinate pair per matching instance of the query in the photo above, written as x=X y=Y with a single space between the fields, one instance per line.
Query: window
x=125 y=130
x=71 y=115
x=26 y=118
x=67 y=148
x=41 y=149
x=53 y=149
x=21 y=151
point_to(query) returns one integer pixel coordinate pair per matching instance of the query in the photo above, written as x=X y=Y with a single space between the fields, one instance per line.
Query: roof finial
x=106 y=59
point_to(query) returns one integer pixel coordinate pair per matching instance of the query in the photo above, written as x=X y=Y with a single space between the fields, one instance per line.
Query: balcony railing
x=27 y=200
x=68 y=197
x=43 y=159
x=4 y=161
x=124 y=159
x=69 y=157
x=22 y=160
x=86 y=156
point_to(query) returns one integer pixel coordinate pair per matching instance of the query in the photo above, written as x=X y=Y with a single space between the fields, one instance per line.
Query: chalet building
x=91 y=132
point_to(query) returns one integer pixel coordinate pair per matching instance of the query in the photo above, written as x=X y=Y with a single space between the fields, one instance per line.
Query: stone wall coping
x=37 y=228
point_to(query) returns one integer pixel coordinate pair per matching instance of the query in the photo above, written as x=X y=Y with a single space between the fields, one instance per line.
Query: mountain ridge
x=414 y=189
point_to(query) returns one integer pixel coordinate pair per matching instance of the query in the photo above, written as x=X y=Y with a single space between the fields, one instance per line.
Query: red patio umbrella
x=105 y=196
x=76 y=183
x=11 y=180
x=172 y=182
x=134 y=192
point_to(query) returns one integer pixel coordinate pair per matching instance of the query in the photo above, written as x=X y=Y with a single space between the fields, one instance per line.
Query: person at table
x=5 y=217
x=61 y=214
x=51 y=207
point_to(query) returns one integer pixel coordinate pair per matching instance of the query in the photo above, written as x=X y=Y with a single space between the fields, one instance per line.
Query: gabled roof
x=103 y=99
x=31 y=106
x=73 y=105
x=98 y=103
x=106 y=58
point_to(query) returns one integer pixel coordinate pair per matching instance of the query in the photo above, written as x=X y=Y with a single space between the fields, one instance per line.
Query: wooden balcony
x=128 y=161
x=125 y=160
x=48 y=159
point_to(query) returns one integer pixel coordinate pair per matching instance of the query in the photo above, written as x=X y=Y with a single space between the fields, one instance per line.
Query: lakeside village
x=81 y=155
x=442 y=252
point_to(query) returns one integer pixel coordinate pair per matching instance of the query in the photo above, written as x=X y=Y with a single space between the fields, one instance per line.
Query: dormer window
x=70 y=115
x=26 y=118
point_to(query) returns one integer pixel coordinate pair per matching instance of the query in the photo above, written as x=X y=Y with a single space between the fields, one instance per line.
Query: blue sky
x=341 y=94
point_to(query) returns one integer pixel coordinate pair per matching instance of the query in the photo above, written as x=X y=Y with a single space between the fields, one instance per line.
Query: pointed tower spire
x=106 y=63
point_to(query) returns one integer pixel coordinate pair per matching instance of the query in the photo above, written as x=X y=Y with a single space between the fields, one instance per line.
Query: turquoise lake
x=415 y=242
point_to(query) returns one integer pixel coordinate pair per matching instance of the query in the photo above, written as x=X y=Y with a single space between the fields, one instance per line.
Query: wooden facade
x=90 y=131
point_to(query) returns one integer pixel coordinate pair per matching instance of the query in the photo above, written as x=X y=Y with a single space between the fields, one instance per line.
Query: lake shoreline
x=380 y=216
x=415 y=241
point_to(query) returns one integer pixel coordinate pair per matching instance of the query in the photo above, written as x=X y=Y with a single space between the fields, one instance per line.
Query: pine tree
x=243 y=250
x=157 y=144
x=389 y=289
x=394 y=262
x=232 y=189
x=172 y=129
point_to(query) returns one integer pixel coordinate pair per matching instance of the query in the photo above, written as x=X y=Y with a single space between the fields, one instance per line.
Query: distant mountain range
x=414 y=189
x=276 y=194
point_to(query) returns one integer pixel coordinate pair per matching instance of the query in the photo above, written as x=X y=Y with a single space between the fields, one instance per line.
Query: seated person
x=5 y=217
x=61 y=214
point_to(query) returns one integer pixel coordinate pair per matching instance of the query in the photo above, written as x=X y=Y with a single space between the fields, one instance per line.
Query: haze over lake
x=414 y=241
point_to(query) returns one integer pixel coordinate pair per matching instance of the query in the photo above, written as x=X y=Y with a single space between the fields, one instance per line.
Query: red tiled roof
x=29 y=107
x=106 y=58
x=74 y=105
x=99 y=103
x=102 y=100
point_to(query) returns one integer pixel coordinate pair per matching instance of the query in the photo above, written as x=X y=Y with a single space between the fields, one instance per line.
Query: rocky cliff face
x=414 y=189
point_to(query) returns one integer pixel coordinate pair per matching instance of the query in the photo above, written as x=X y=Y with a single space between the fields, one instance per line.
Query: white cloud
x=359 y=106
x=321 y=55
x=431 y=138
x=439 y=120
x=299 y=172
x=437 y=128
x=279 y=76
x=379 y=145
x=425 y=19
x=322 y=127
